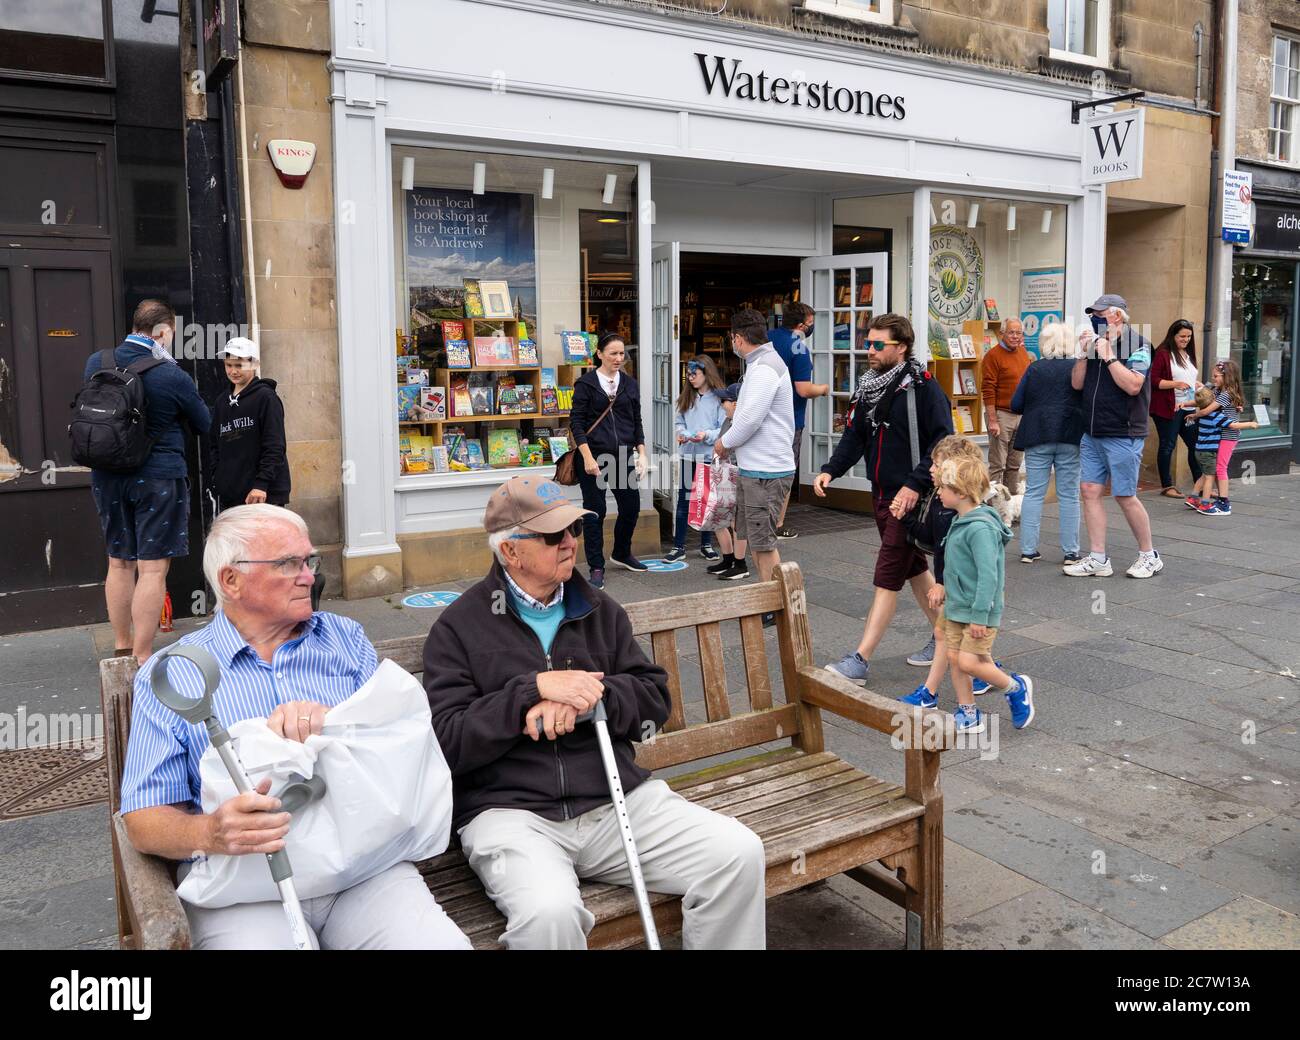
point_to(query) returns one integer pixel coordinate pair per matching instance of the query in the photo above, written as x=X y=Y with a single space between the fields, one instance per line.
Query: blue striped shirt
x=327 y=663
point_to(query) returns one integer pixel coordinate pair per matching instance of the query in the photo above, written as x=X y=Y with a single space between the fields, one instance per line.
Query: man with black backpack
x=126 y=426
x=897 y=415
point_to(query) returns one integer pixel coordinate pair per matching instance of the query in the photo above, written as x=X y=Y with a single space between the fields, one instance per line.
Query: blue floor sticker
x=431 y=599
x=664 y=565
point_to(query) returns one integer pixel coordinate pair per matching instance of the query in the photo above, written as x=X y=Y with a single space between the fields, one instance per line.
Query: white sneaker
x=1146 y=567
x=1088 y=567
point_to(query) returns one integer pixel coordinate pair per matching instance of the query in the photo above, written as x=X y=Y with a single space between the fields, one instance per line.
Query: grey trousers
x=1004 y=460
x=392 y=911
x=530 y=867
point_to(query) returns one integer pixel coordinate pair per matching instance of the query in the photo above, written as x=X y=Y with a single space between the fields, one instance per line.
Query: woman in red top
x=1173 y=390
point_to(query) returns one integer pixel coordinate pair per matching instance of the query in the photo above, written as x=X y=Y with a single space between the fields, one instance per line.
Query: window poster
x=453 y=235
x=1042 y=302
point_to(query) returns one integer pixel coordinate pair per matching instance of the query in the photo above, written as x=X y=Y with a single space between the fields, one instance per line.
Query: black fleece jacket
x=620 y=428
x=481 y=663
x=882 y=434
x=246 y=446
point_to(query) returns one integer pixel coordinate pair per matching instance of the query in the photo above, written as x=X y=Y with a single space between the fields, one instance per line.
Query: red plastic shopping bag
x=700 y=488
x=720 y=507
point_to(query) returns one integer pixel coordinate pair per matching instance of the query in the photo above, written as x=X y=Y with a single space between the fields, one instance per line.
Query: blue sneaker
x=1021 y=700
x=675 y=556
x=852 y=666
x=597 y=577
x=968 y=719
x=921 y=697
x=924 y=657
x=979 y=685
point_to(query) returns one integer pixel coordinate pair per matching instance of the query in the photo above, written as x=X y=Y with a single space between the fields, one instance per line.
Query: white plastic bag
x=720 y=506
x=387 y=798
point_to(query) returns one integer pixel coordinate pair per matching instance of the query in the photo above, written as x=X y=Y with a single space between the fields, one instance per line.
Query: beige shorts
x=758 y=508
x=957 y=636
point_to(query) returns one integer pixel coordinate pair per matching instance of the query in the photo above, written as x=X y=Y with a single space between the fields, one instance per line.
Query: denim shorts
x=1111 y=460
x=143 y=518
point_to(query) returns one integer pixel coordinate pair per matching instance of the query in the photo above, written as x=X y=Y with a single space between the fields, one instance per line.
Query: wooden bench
x=817 y=815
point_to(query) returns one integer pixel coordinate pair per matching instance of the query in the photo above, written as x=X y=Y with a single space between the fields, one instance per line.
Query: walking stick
x=598 y=717
x=296 y=796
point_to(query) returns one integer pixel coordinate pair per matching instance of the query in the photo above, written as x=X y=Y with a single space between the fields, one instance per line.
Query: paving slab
x=1243 y=924
x=1150 y=811
x=819 y=918
x=1044 y=920
x=1068 y=667
x=1263 y=862
x=59 y=917
x=1127 y=886
x=57 y=848
x=1268 y=701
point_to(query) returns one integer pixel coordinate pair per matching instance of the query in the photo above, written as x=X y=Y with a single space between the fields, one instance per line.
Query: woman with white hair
x=1050 y=430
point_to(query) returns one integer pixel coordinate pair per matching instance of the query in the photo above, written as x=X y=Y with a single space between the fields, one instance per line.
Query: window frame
x=1293 y=43
x=1102 y=58
x=854 y=10
x=109 y=79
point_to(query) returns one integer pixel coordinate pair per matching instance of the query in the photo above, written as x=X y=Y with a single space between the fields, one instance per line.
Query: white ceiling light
x=974 y=217
x=1047 y=221
x=1011 y=218
x=548 y=183
x=408 y=173
x=611 y=182
x=480 y=178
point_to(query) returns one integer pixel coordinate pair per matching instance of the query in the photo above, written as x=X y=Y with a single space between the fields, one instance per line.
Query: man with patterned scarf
x=897 y=415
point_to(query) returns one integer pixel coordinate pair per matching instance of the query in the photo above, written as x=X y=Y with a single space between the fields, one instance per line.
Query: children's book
x=441 y=460
x=496 y=299
x=527 y=399
x=461 y=404
x=454 y=439
x=991 y=309
x=458 y=353
x=474 y=446
x=550 y=404
x=548 y=377
x=497 y=351
x=954 y=346
x=507 y=395
x=968 y=382
x=527 y=352
x=575 y=348
x=417 y=377
x=408 y=401
x=473 y=299
x=452 y=330
x=564 y=397
x=967 y=345
x=433 y=400
x=503 y=448
x=558 y=446
x=531 y=454
x=480 y=393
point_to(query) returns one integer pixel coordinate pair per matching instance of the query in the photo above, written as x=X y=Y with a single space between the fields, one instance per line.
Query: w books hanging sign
x=1113 y=144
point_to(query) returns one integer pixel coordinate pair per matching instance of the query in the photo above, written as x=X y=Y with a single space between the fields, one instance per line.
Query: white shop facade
x=647 y=174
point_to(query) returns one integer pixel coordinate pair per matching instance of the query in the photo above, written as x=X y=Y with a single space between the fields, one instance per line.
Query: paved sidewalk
x=1153 y=802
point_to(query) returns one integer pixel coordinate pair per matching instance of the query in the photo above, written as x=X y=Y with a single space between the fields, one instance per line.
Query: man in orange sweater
x=1003 y=367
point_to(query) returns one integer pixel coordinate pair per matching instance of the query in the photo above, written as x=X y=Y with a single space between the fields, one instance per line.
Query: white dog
x=1006 y=504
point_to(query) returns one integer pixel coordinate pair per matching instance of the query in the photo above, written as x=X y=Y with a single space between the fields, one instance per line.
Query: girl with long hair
x=698 y=421
x=1173 y=389
x=1229 y=400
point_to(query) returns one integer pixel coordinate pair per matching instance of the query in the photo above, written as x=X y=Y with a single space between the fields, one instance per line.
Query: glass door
x=665 y=267
x=843 y=292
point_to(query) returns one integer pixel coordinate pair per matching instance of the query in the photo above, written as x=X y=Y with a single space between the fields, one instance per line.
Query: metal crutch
x=598 y=717
x=292 y=798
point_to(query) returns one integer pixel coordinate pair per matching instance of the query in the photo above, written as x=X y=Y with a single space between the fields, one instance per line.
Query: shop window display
x=508 y=270
x=1263 y=329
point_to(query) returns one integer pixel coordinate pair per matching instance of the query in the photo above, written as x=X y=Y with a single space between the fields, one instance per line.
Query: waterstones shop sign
x=730 y=78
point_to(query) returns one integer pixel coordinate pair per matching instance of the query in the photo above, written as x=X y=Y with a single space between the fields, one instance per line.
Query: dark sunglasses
x=551 y=538
x=881 y=344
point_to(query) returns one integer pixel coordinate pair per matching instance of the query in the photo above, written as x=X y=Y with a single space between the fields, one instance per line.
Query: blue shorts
x=143 y=518
x=1111 y=460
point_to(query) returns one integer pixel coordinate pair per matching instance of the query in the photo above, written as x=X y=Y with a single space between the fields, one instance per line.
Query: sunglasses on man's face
x=551 y=538
x=881 y=344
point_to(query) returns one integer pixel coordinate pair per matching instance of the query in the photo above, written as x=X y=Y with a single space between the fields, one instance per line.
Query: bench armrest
x=157 y=919
x=921 y=729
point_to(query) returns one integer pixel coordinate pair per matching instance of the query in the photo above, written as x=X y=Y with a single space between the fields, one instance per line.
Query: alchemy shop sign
x=730 y=78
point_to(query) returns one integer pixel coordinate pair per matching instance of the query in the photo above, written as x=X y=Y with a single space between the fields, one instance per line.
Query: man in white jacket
x=762 y=439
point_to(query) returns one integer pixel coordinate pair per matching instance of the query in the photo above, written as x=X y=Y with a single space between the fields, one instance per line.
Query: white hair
x=233 y=533
x=496 y=538
x=1056 y=340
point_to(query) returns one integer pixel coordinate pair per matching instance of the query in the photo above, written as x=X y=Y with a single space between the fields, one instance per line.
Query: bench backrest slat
x=664 y=647
x=757 y=676
x=713 y=670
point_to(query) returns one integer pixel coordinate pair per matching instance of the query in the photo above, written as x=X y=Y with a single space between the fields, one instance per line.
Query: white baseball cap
x=240 y=347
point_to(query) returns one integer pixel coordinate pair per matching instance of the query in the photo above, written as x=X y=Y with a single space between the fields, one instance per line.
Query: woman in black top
x=613 y=454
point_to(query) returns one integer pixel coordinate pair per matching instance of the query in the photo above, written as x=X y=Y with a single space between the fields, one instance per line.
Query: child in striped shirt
x=1217 y=418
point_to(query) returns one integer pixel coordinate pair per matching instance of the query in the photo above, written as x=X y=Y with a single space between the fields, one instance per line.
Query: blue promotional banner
x=453 y=234
x=1042 y=301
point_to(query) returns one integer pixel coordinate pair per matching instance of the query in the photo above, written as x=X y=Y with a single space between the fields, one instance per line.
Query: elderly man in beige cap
x=534 y=641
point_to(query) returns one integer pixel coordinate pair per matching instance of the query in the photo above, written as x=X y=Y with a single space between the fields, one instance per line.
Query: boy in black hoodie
x=246 y=453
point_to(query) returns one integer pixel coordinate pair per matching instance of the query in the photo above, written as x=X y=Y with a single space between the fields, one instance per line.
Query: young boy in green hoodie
x=974 y=576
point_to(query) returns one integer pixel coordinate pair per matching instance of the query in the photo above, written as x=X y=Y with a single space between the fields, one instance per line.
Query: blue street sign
x=1236 y=235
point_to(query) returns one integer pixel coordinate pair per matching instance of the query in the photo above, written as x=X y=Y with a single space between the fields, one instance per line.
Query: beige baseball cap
x=533 y=503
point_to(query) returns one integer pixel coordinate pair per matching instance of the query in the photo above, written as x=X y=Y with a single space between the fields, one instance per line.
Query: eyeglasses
x=551 y=538
x=881 y=344
x=291 y=566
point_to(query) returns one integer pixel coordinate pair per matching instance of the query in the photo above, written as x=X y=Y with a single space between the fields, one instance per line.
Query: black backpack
x=109 y=428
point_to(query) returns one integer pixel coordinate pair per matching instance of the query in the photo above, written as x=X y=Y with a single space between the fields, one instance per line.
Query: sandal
x=1171 y=492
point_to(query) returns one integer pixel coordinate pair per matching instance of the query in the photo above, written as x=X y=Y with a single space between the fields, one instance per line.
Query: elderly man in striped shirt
x=282 y=662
